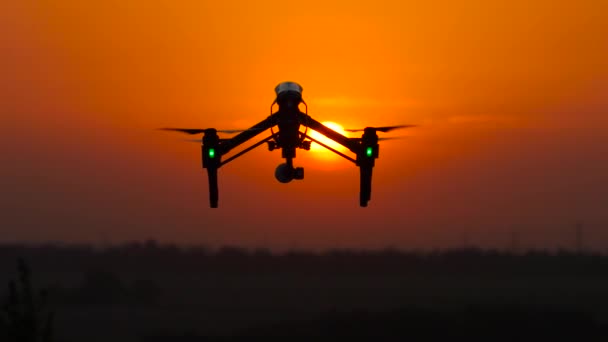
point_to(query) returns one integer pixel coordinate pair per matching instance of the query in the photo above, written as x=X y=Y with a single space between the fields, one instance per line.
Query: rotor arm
x=248 y=149
x=228 y=144
x=309 y=122
x=330 y=148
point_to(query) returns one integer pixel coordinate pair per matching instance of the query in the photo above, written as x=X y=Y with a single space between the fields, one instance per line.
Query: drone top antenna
x=285 y=87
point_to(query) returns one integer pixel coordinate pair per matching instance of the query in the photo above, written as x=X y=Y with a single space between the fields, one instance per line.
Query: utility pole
x=579 y=238
x=465 y=240
x=515 y=244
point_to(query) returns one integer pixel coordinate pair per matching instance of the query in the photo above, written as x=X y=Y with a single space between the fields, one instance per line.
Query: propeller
x=390 y=138
x=381 y=129
x=382 y=138
x=202 y=130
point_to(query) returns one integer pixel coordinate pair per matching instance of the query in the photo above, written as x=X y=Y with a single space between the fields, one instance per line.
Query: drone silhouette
x=288 y=137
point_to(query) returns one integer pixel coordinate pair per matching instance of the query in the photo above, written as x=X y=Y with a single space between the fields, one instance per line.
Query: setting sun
x=321 y=152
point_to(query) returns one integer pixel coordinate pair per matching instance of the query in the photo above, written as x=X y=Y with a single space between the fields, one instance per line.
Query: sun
x=321 y=152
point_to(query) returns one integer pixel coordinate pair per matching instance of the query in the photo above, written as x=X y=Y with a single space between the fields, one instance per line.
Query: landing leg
x=213 y=190
x=365 y=193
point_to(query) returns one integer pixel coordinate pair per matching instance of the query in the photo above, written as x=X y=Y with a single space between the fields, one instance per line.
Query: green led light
x=211 y=153
x=369 y=151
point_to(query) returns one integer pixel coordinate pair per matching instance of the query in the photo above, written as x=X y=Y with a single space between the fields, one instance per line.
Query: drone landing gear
x=213 y=190
x=365 y=193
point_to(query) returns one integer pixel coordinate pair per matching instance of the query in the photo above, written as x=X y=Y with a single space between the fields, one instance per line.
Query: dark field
x=149 y=292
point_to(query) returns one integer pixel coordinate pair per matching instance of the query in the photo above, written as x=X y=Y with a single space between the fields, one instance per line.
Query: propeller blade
x=202 y=130
x=390 y=138
x=184 y=130
x=391 y=128
x=382 y=138
x=381 y=129
x=233 y=131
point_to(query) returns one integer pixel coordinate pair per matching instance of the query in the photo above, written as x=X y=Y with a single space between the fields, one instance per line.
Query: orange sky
x=511 y=99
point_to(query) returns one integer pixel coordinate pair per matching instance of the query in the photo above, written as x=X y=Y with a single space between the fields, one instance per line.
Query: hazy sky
x=512 y=99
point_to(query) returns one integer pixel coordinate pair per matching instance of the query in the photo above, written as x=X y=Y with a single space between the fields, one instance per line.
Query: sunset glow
x=509 y=99
x=321 y=152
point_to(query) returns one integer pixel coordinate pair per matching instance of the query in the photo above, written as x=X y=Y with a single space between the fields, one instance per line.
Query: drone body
x=288 y=120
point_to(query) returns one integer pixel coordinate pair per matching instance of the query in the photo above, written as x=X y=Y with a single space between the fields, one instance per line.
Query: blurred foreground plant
x=25 y=316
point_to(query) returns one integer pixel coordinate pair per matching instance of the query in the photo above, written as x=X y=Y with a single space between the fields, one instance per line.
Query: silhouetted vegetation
x=25 y=315
x=156 y=292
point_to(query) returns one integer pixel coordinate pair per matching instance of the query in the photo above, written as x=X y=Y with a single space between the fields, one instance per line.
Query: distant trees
x=119 y=271
x=103 y=287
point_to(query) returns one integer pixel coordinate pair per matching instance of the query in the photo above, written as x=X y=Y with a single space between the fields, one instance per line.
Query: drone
x=288 y=138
